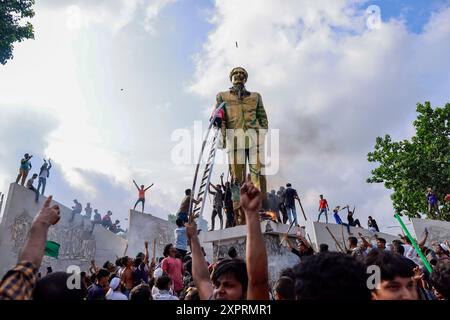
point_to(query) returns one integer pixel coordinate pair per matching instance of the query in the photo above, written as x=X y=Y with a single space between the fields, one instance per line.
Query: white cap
x=444 y=246
x=158 y=273
x=114 y=283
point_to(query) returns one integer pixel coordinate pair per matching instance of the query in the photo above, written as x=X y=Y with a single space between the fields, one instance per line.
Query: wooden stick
x=154 y=251
x=301 y=207
x=337 y=242
x=343 y=239
x=126 y=248
x=290 y=226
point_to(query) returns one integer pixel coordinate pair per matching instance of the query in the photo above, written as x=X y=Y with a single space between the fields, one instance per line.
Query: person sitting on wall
x=184 y=207
x=351 y=221
x=106 y=221
x=31 y=187
x=338 y=218
x=372 y=225
x=115 y=227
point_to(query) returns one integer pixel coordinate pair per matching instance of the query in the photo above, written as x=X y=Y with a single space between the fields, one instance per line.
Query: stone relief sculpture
x=19 y=229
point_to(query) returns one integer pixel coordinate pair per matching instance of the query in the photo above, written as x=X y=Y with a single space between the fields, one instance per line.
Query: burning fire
x=269 y=215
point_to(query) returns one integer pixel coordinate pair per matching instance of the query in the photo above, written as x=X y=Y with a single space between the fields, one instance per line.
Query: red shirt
x=323 y=204
x=174 y=268
x=141 y=194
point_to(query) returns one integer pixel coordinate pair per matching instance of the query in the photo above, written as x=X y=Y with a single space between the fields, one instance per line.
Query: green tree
x=13 y=27
x=410 y=167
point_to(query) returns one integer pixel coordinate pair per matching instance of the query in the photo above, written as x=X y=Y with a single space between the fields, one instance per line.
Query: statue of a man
x=243 y=121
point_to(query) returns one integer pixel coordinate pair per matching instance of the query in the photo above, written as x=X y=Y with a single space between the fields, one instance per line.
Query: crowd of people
x=282 y=203
x=184 y=275
x=183 y=272
x=106 y=221
x=77 y=208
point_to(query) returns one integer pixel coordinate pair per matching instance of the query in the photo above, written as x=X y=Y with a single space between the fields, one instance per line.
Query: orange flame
x=272 y=215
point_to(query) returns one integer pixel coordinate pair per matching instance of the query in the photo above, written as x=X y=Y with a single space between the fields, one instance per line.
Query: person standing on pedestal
x=243 y=130
x=218 y=205
x=281 y=206
x=228 y=202
x=290 y=195
x=239 y=216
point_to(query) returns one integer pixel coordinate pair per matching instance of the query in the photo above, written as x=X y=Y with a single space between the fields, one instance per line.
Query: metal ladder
x=203 y=190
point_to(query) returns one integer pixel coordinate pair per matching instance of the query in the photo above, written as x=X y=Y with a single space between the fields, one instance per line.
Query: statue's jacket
x=244 y=114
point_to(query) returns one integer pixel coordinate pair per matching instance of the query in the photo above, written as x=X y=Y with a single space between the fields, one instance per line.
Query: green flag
x=52 y=249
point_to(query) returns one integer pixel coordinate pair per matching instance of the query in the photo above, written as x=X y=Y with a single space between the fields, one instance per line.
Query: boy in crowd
x=98 y=290
x=180 y=238
x=163 y=284
x=173 y=267
x=397 y=281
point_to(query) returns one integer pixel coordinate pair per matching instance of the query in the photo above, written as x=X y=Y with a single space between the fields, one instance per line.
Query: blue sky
x=329 y=94
x=416 y=13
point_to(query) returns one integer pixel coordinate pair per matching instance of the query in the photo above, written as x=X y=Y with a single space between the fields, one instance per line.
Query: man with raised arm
x=44 y=173
x=232 y=279
x=217 y=206
x=19 y=282
x=228 y=203
x=141 y=197
x=25 y=167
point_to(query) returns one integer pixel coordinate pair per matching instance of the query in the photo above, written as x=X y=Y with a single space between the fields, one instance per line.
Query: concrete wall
x=78 y=245
x=437 y=230
x=145 y=227
x=321 y=235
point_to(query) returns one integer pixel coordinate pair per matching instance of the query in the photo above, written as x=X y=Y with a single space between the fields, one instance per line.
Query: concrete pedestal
x=279 y=257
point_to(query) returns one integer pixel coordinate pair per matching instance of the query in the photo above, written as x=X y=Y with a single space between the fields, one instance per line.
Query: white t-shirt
x=115 y=295
x=44 y=174
x=411 y=254
x=120 y=271
x=164 y=295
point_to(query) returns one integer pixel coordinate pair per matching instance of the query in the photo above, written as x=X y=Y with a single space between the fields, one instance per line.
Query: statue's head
x=238 y=76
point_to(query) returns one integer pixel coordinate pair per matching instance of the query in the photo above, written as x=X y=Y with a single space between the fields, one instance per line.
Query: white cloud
x=152 y=11
x=330 y=85
x=113 y=14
